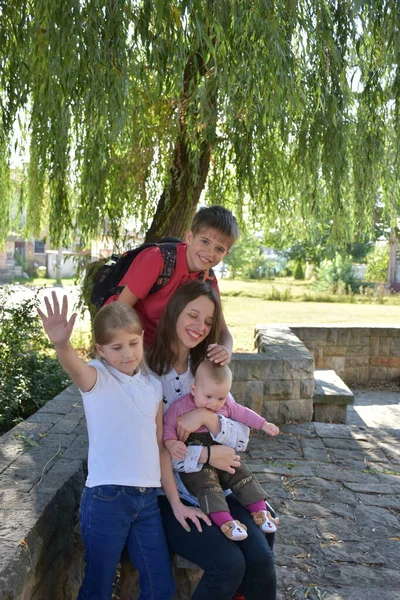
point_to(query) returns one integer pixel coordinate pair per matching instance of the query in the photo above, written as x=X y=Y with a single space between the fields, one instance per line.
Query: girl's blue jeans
x=114 y=516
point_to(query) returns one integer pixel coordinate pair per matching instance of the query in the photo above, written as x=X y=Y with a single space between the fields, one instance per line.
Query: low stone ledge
x=41 y=555
x=285 y=367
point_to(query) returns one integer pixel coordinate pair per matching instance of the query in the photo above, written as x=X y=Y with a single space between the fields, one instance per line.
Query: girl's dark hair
x=164 y=352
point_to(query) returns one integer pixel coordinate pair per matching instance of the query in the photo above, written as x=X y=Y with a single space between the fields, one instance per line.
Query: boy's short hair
x=217 y=217
x=214 y=372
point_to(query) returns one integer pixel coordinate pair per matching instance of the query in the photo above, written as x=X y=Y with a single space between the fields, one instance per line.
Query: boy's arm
x=127 y=297
x=221 y=353
x=141 y=276
x=58 y=329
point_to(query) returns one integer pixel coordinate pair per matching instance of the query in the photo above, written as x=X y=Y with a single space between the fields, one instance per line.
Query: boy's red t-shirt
x=140 y=278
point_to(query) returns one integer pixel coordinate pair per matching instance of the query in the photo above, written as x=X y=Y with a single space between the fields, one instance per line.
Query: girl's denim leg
x=148 y=551
x=111 y=516
x=105 y=525
x=222 y=561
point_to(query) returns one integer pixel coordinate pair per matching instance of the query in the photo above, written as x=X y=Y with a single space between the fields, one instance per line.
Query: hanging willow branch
x=134 y=106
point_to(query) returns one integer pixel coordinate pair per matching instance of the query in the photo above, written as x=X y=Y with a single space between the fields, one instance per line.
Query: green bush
x=30 y=373
x=298 y=271
x=336 y=276
x=41 y=272
x=378 y=264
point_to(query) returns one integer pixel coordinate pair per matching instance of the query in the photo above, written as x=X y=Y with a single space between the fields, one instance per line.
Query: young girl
x=188 y=326
x=124 y=418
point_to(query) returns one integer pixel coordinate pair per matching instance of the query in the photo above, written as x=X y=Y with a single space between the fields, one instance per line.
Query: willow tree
x=287 y=110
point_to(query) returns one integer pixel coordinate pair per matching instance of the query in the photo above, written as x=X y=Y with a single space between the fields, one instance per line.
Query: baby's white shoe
x=265 y=521
x=234 y=530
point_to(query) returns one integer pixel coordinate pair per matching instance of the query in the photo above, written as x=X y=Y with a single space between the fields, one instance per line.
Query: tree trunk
x=190 y=165
x=177 y=205
x=59 y=262
x=391 y=282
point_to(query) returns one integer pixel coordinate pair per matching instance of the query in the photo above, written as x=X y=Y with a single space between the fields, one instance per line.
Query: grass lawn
x=252 y=287
x=243 y=313
x=248 y=303
x=41 y=281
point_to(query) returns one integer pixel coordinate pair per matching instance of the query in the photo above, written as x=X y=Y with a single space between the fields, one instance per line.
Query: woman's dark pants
x=229 y=567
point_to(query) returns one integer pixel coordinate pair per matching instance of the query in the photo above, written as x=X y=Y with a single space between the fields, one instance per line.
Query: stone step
x=331 y=397
x=330 y=389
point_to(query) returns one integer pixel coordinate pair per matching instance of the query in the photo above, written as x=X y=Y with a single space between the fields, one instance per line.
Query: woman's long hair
x=164 y=353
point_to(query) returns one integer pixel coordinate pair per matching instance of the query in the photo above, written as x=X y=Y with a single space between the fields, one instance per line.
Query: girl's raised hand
x=56 y=323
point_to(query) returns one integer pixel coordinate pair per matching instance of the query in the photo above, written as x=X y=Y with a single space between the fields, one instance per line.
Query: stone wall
x=357 y=354
x=278 y=382
x=42 y=474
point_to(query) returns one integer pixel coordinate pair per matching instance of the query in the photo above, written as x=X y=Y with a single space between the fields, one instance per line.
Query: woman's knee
x=225 y=565
x=261 y=565
x=223 y=576
x=234 y=564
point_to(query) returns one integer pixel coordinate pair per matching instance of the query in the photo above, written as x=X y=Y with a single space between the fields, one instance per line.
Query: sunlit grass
x=248 y=303
x=243 y=314
x=47 y=282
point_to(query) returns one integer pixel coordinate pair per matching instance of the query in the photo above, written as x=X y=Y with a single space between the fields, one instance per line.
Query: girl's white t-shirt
x=121 y=415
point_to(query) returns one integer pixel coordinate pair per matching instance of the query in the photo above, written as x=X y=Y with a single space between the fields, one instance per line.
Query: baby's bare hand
x=176 y=449
x=270 y=428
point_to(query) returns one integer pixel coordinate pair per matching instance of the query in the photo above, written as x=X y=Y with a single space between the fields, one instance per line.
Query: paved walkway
x=376 y=408
x=337 y=491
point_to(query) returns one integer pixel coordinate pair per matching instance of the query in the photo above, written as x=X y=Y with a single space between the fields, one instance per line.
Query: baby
x=211 y=391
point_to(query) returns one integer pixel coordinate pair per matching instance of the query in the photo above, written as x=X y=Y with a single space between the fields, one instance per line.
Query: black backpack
x=109 y=276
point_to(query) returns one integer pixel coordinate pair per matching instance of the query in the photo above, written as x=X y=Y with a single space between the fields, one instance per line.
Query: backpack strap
x=207 y=276
x=168 y=252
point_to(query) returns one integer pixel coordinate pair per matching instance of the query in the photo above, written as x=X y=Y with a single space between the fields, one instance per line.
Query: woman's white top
x=121 y=415
x=233 y=433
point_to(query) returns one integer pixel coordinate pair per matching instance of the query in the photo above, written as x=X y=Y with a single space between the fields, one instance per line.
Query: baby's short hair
x=214 y=372
x=218 y=218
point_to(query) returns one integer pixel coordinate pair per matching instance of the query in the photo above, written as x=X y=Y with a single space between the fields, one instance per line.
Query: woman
x=189 y=325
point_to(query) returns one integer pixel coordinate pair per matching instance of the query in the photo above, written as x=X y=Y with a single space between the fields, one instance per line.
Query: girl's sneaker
x=234 y=530
x=265 y=521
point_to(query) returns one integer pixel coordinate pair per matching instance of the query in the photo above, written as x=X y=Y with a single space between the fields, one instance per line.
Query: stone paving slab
x=339 y=505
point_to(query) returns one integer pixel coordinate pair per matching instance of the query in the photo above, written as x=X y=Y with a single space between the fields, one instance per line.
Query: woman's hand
x=190 y=422
x=224 y=458
x=218 y=354
x=183 y=512
x=56 y=323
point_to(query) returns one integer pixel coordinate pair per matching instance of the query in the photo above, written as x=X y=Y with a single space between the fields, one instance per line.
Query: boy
x=213 y=231
x=211 y=390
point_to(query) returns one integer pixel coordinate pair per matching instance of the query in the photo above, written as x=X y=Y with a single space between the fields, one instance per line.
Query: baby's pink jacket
x=231 y=409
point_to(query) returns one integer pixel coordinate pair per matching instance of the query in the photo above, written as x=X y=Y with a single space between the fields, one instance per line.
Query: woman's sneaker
x=234 y=530
x=265 y=521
